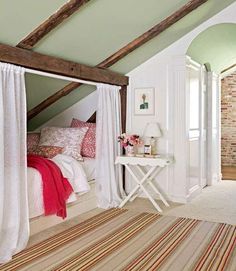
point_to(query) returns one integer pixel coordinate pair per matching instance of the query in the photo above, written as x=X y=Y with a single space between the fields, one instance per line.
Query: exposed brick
x=228 y=120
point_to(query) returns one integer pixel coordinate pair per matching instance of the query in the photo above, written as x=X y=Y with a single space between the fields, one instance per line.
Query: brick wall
x=228 y=120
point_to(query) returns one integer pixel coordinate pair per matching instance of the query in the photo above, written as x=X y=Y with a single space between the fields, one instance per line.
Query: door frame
x=214 y=129
x=191 y=64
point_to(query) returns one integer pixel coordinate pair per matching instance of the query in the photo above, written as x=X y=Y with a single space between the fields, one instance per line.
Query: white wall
x=82 y=110
x=166 y=72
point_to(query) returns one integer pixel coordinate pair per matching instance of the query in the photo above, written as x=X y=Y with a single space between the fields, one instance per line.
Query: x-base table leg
x=141 y=186
x=150 y=179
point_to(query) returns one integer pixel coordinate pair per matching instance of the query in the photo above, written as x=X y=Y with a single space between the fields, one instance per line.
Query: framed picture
x=144 y=101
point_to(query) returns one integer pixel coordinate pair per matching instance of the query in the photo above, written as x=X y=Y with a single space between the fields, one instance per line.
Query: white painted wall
x=82 y=110
x=167 y=73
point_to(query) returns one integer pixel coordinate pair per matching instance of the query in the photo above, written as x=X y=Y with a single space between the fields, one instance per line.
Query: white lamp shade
x=152 y=130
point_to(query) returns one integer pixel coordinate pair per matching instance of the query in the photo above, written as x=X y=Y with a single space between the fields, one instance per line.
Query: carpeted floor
x=121 y=239
x=216 y=203
x=137 y=239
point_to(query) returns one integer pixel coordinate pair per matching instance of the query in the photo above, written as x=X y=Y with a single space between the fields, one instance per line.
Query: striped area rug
x=120 y=239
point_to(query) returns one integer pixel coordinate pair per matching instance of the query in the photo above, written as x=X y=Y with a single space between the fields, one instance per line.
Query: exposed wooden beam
x=123 y=100
x=52 y=22
x=229 y=68
x=153 y=32
x=93 y=118
x=50 y=100
x=59 y=66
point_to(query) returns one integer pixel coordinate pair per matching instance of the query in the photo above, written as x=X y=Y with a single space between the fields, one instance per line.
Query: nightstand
x=136 y=166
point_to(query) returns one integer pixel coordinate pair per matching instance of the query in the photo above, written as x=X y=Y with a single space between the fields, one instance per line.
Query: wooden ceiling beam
x=229 y=68
x=51 y=99
x=152 y=33
x=50 y=64
x=138 y=42
x=52 y=22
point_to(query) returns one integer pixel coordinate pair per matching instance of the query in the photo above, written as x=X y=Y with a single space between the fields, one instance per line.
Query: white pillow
x=68 y=138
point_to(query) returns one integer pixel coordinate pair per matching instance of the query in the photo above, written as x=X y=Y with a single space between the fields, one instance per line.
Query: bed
x=80 y=173
x=82 y=200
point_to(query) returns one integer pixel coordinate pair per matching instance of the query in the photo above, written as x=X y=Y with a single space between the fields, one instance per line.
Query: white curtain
x=14 y=221
x=108 y=128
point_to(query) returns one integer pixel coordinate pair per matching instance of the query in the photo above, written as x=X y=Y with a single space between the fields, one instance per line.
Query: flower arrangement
x=129 y=140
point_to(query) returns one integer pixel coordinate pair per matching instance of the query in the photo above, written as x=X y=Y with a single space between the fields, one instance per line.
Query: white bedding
x=71 y=169
x=89 y=167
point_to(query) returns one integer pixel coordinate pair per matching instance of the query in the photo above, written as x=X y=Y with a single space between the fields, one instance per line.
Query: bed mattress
x=78 y=175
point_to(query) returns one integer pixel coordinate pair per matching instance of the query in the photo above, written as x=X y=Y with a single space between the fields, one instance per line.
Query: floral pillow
x=47 y=151
x=68 y=138
x=89 y=141
x=32 y=141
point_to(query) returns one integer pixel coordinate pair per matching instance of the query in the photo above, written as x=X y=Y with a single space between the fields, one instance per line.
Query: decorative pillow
x=89 y=141
x=32 y=141
x=47 y=151
x=68 y=138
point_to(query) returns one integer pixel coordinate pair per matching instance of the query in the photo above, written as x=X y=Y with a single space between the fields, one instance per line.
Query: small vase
x=130 y=150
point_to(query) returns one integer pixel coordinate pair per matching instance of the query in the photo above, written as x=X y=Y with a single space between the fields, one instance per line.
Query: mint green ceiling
x=99 y=29
x=216 y=46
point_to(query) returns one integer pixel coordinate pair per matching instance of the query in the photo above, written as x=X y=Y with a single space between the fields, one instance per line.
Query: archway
x=216 y=47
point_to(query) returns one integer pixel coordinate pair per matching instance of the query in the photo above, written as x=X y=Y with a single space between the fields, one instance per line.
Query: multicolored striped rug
x=118 y=239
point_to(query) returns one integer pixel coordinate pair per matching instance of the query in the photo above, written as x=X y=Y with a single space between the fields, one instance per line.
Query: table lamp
x=153 y=131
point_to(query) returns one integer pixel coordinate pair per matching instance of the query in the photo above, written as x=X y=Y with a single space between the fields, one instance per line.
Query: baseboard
x=193 y=192
x=178 y=199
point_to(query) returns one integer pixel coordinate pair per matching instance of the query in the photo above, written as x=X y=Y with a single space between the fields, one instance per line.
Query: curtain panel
x=109 y=189
x=14 y=221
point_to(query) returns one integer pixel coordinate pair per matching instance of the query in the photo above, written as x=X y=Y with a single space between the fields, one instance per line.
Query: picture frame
x=144 y=101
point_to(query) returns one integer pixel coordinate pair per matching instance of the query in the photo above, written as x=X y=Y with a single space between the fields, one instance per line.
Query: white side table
x=136 y=165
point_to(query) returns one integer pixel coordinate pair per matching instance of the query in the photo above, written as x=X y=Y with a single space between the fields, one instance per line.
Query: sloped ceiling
x=92 y=34
x=216 y=46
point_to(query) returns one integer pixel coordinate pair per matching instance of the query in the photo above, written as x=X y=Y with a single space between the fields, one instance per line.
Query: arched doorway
x=215 y=48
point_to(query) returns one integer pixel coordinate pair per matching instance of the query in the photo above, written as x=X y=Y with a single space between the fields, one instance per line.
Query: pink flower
x=129 y=140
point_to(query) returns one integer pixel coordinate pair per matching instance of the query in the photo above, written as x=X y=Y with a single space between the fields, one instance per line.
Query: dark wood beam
x=93 y=118
x=51 y=99
x=153 y=32
x=59 y=66
x=52 y=22
x=123 y=100
x=229 y=68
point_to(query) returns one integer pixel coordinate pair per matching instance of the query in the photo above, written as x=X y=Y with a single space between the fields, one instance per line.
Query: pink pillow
x=32 y=141
x=68 y=138
x=89 y=142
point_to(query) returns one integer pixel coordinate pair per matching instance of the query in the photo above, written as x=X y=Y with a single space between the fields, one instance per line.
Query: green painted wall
x=216 y=46
x=95 y=32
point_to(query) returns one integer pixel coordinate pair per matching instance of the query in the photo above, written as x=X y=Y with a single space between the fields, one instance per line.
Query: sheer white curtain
x=108 y=128
x=14 y=221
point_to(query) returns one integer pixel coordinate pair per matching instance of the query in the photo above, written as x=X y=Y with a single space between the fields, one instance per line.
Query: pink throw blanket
x=56 y=188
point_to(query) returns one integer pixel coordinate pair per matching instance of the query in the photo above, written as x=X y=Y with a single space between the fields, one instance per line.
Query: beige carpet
x=216 y=203
x=120 y=239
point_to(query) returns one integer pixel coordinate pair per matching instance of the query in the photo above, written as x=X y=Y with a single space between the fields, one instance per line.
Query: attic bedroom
x=117 y=143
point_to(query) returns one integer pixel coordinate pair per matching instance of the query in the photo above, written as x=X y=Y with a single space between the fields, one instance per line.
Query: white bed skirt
x=83 y=204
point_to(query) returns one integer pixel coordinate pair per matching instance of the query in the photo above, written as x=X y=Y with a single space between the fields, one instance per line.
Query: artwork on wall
x=144 y=101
